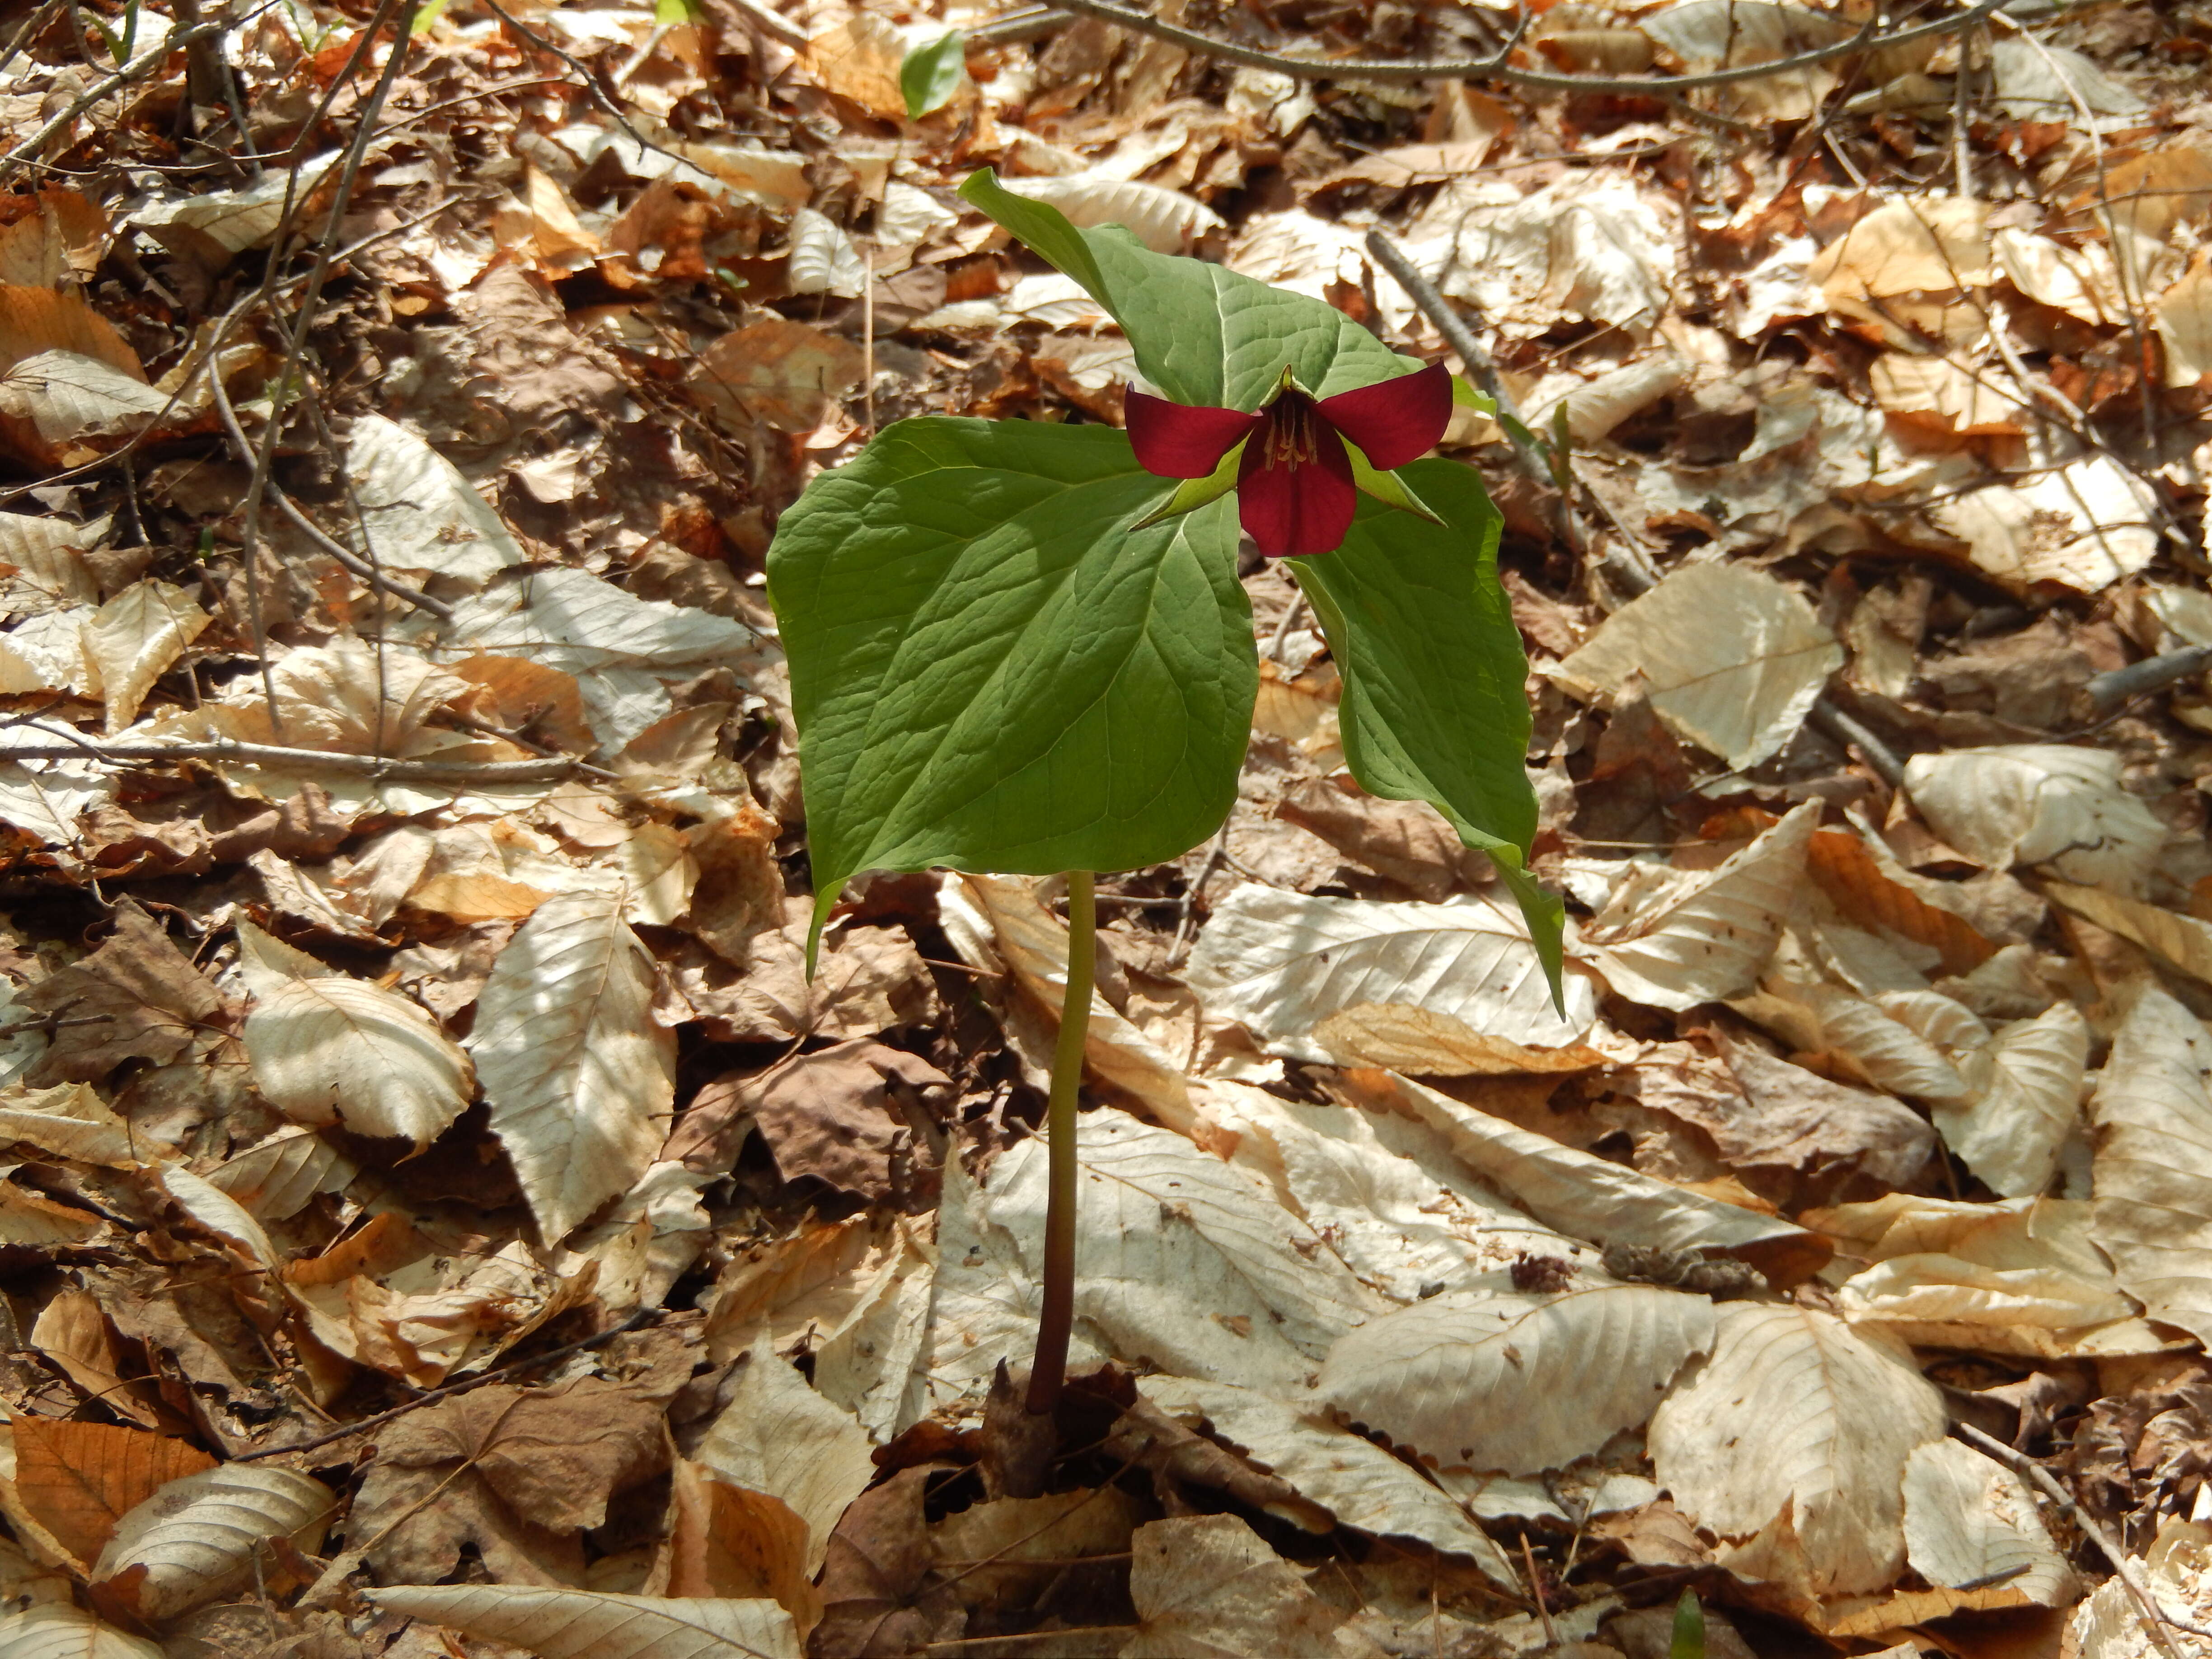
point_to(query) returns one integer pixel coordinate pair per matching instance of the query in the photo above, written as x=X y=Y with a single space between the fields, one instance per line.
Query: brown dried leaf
x=78 y=1479
x=145 y=999
x=728 y=1540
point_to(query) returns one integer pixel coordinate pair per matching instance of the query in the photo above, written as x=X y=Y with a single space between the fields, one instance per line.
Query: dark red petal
x=1304 y=507
x=1182 y=440
x=1394 y=421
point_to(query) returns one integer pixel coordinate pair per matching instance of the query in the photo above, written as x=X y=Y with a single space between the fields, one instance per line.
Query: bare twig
x=1832 y=723
x=401 y=16
x=1400 y=71
x=2123 y=1564
x=489 y=774
x=2109 y=690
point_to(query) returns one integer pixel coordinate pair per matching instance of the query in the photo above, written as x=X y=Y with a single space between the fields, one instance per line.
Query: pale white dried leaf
x=45 y=799
x=325 y=1047
x=1586 y=1196
x=1355 y=1480
x=621 y=650
x=1704 y=937
x=134 y=638
x=45 y=652
x=1970 y=1521
x=2152 y=1172
x=2183 y=316
x=2082 y=281
x=220 y=1213
x=2018 y=1277
x=1280 y=963
x=275 y=1179
x=1731 y=659
x=1165 y=220
x=821 y=259
x=1710 y=34
x=576 y=1624
x=1798 y=1411
x=579 y=1077
x=236 y=220
x=2084 y=526
x=1890 y=1052
x=56 y=1630
x=2182 y=940
x=2038 y=81
x=67 y=396
x=48 y=570
x=778 y=1435
x=2024 y=1101
x=1497 y=1378
x=658 y=873
x=198 y=1537
x=2039 y=803
x=72 y=1122
x=1207 y=1587
x=418 y=512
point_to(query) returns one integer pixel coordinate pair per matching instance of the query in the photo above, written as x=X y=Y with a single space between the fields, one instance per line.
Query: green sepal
x=1464 y=396
x=1434 y=707
x=1387 y=487
x=993 y=666
x=930 y=74
x=1201 y=334
x=1191 y=493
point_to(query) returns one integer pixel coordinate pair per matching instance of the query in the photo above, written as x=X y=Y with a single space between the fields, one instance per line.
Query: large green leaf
x=1201 y=334
x=993 y=670
x=1434 y=707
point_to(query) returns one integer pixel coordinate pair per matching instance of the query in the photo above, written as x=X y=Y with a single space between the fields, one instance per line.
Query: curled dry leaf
x=2039 y=803
x=1356 y=1481
x=418 y=512
x=56 y=1630
x=574 y=1624
x=578 y=1074
x=778 y=1435
x=1207 y=1587
x=78 y=1479
x=1496 y=1378
x=1970 y=1523
x=1165 y=220
x=1730 y=659
x=324 y=1047
x=2151 y=1174
x=134 y=638
x=198 y=1537
x=1281 y=963
x=1791 y=1442
x=1677 y=942
x=2024 y=1101
x=2184 y=941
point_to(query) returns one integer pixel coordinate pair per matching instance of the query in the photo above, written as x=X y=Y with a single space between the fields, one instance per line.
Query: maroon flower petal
x=1394 y=421
x=1183 y=440
x=1300 y=506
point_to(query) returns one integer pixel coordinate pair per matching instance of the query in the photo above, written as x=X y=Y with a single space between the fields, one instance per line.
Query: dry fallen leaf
x=200 y=1537
x=577 y=1624
x=1208 y=1587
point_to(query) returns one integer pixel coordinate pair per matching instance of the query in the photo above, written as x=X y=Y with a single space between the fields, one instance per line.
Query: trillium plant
x=1022 y=647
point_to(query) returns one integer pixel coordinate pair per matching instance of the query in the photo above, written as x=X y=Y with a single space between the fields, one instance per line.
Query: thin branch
x=2123 y=1564
x=478 y=773
x=584 y=75
x=143 y=65
x=2109 y=690
x=1400 y=71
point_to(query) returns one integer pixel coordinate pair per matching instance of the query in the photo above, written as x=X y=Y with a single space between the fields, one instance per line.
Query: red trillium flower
x=1305 y=458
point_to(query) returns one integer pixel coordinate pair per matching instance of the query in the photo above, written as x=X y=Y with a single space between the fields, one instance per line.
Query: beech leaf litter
x=440 y=1214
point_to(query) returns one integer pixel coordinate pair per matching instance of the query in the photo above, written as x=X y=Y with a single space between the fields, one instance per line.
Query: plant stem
x=1057 y=1317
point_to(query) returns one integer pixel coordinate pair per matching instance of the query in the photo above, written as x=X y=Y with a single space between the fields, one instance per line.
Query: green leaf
x=1201 y=334
x=1689 y=1638
x=993 y=668
x=931 y=74
x=1433 y=671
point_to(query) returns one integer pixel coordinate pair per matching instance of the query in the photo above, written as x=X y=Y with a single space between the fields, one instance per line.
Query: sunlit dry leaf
x=786 y=375
x=2038 y=81
x=821 y=259
x=1948 y=396
x=1969 y=1520
x=1730 y=659
x=729 y=1542
x=1399 y=1038
x=1586 y=1196
x=2084 y=526
x=1207 y=1587
x=2081 y=282
x=236 y=220
x=45 y=799
x=1710 y=34
x=133 y=639
x=2183 y=316
x=2184 y=941
x=73 y=1333
x=1282 y=962
x=35 y=319
x=46 y=555
x=574 y=1624
x=152 y=1003
x=659 y=874
x=2152 y=1184
x=1359 y=1483
x=778 y=1435
x=2020 y=1277
x=325 y=1047
x=1165 y=220
x=72 y=1122
x=1798 y=1418
x=56 y=1630
x=64 y=237
x=2039 y=803
x=276 y=1179
x=1677 y=940
x=985 y=1550
x=2024 y=1089
x=1911 y=263
x=578 y=1074
x=50 y=402
x=1497 y=1378
x=859 y=60
x=199 y=1536
x=418 y=512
